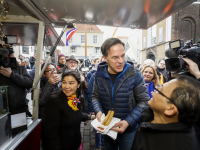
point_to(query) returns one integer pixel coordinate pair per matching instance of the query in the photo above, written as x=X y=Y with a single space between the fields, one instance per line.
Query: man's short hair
x=108 y=43
x=161 y=60
x=186 y=97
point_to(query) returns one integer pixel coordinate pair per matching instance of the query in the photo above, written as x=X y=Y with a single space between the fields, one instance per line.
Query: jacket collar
x=102 y=70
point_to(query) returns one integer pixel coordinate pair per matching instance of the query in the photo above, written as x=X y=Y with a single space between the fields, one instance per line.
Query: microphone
x=4 y=51
x=170 y=53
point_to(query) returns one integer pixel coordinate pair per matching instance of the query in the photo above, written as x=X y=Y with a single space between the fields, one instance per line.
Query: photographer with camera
x=18 y=80
x=193 y=68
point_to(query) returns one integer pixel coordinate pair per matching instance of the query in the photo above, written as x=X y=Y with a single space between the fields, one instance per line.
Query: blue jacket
x=89 y=93
x=127 y=96
x=90 y=74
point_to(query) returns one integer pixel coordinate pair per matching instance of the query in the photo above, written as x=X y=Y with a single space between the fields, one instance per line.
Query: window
x=72 y=50
x=97 y=50
x=94 y=38
x=82 y=38
x=152 y=36
x=70 y=40
x=35 y=49
x=25 y=49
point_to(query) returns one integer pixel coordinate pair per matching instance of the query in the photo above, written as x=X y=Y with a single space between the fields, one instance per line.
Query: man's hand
x=121 y=126
x=92 y=113
x=5 y=71
x=53 y=79
x=98 y=116
x=193 y=67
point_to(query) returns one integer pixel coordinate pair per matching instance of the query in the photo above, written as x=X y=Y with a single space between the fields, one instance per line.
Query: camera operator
x=18 y=81
x=192 y=67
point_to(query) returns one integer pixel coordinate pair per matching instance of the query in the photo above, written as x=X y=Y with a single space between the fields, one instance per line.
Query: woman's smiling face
x=69 y=85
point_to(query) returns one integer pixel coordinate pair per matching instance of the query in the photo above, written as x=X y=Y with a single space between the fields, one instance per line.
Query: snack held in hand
x=108 y=118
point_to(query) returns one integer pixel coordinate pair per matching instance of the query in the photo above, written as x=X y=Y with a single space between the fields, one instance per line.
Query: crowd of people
x=157 y=111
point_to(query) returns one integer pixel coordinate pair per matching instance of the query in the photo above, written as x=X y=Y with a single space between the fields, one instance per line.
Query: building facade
x=76 y=45
x=184 y=24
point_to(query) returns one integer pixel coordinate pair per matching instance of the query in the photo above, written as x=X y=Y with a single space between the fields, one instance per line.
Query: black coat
x=62 y=123
x=172 y=136
x=46 y=89
x=19 y=82
x=32 y=61
x=164 y=72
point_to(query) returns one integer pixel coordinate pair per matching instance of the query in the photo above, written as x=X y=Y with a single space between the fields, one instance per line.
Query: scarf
x=150 y=88
x=73 y=102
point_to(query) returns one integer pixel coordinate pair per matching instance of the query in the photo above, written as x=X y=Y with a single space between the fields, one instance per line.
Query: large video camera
x=8 y=62
x=177 y=50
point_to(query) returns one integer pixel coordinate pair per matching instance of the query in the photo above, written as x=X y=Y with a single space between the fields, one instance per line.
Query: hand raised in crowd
x=53 y=79
x=193 y=67
x=5 y=71
x=120 y=126
x=98 y=116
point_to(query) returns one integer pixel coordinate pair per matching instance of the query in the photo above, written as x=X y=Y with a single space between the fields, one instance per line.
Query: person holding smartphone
x=48 y=84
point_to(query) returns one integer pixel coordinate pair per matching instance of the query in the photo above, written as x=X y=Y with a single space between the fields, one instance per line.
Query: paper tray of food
x=105 y=129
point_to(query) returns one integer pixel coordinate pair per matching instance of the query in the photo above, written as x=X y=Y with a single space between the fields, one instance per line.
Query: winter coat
x=46 y=89
x=62 y=123
x=89 y=93
x=126 y=96
x=90 y=74
x=172 y=136
x=32 y=61
x=19 y=82
x=164 y=72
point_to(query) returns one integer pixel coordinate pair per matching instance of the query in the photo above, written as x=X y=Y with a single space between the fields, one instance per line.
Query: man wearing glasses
x=175 y=107
x=72 y=63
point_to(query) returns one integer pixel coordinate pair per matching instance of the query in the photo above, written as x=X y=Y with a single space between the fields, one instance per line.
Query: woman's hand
x=53 y=79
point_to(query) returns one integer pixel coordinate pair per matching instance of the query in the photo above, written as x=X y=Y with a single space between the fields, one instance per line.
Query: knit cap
x=60 y=55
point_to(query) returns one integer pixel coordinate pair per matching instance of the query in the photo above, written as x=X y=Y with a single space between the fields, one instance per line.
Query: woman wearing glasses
x=48 y=85
x=63 y=114
x=151 y=78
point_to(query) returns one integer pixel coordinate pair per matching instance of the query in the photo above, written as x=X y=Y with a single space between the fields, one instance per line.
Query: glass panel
x=4 y=100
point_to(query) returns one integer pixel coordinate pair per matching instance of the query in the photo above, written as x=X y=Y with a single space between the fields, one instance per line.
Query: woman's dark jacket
x=62 y=123
x=46 y=89
x=19 y=82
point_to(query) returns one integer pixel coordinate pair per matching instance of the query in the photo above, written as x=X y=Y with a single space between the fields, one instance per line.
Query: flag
x=69 y=35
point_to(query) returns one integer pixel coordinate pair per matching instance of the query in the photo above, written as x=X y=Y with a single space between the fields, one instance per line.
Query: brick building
x=184 y=24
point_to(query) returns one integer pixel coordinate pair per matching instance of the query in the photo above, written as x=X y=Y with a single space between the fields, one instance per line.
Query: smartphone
x=59 y=76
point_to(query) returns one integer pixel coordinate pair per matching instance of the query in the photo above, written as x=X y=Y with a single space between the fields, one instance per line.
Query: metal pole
x=51 y=53
x=85 y=41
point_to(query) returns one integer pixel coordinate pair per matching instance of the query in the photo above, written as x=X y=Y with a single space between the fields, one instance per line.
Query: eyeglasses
x=160 y=86
x=72 y=62
x=50 y=71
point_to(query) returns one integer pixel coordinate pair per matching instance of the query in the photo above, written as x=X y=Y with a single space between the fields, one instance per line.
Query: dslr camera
x=8 y=62
x=179 y=50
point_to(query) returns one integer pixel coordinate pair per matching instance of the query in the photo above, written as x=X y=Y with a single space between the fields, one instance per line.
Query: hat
x=60 y=55
x=72 y=57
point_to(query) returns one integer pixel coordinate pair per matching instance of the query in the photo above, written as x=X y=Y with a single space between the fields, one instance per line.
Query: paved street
x=88 y=137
